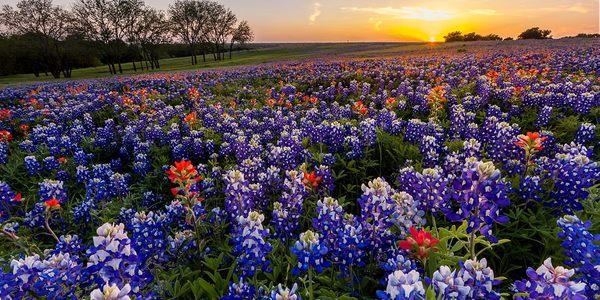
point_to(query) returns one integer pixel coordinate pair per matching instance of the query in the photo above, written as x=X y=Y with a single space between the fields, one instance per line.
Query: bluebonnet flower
x=59 y=277
x=148 y=235
x=348 y=248
x=50 y=164
x=238 y=200
x=182 y=244
x=544 y=116
x=573 y=173
x=430 y=188
x=113 y=260
x=501 y=145
x=240 y=291
x=35 y=217
x=407 y=212
x=330 y=217
x=377 y=209
x=310 y=253
x=583 y=103
x=401 y=286
x=287 y=211
x=111 y=292
x=251 y=245
x=415 y=130
x=473 y=280
x=530 y=188
x=479 y=194
x=50 y=189
x=398 y=260
x=32 y=166
x=284 y=293
x=3 y=153
x=431 y=150
x=71 y=244
x=8 y=200
x=582 y=251
x=549 y=282
x=585 y=134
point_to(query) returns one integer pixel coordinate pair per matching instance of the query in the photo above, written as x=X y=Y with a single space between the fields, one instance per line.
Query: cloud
x=407 y=12
x=484 y=12
x=376 y=23
x=316 y=12
x=575 y=8
x=578 y=9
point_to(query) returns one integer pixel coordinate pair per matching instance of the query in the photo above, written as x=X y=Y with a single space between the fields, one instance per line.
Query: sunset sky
x=404 y=20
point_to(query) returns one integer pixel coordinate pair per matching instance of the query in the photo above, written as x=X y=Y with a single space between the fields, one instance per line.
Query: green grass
x=263 y=54
x=269 y=53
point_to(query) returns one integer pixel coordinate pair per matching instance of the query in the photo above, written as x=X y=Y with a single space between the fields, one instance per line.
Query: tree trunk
x=120 y=67
x=134 y=67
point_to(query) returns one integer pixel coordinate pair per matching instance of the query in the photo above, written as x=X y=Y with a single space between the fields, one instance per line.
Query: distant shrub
x=535 y=33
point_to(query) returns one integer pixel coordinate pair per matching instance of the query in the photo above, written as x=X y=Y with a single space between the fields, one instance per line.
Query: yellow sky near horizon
x=402 y=20
x=335 y=20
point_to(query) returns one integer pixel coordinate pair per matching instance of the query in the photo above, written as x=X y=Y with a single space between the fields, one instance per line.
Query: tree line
x=37 y=36
x=529 y=34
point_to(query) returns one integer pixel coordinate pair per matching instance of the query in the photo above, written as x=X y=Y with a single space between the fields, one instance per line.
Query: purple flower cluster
x=549 y=282
x=582 y=251
x=473 y=280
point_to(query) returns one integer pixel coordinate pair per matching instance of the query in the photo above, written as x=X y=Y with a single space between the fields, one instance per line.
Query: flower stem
x=472 y=246
x=47 y=225
x=311 y=295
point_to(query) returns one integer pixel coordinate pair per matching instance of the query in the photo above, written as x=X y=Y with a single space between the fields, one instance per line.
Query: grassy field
x=268 y=53
x=263 y=54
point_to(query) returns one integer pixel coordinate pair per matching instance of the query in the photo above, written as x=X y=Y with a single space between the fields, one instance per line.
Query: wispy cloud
x=575 y=8
x=316 y=12
x=407 y=12
x=376 y=23
x=484 y=12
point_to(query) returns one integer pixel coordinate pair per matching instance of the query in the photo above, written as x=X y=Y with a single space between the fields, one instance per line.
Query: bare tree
x=46 y=23
x=241 y=35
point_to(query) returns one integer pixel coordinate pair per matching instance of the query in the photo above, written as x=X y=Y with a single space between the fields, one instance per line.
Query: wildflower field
x=448 y=175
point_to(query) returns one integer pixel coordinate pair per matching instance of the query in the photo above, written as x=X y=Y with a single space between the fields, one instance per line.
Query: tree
x=221 y=22
x=242 y=35
x=109 y=23
x=535 y=33
x=45 y=24
x=472 y=36
x=455 y=36
x=189 y=23
x=151 y=31
x=492 y=37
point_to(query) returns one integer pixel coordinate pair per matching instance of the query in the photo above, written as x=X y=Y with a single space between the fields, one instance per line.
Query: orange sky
x=347 y=20
x=403 y=20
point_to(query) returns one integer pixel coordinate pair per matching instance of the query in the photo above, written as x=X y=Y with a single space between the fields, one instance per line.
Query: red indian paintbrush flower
x=311 y=180
x=531 y=142
x=5 y=136
x=183 y=172
x=190 y=118
x=52 y=204
x=420 y=242
x=360 y=107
